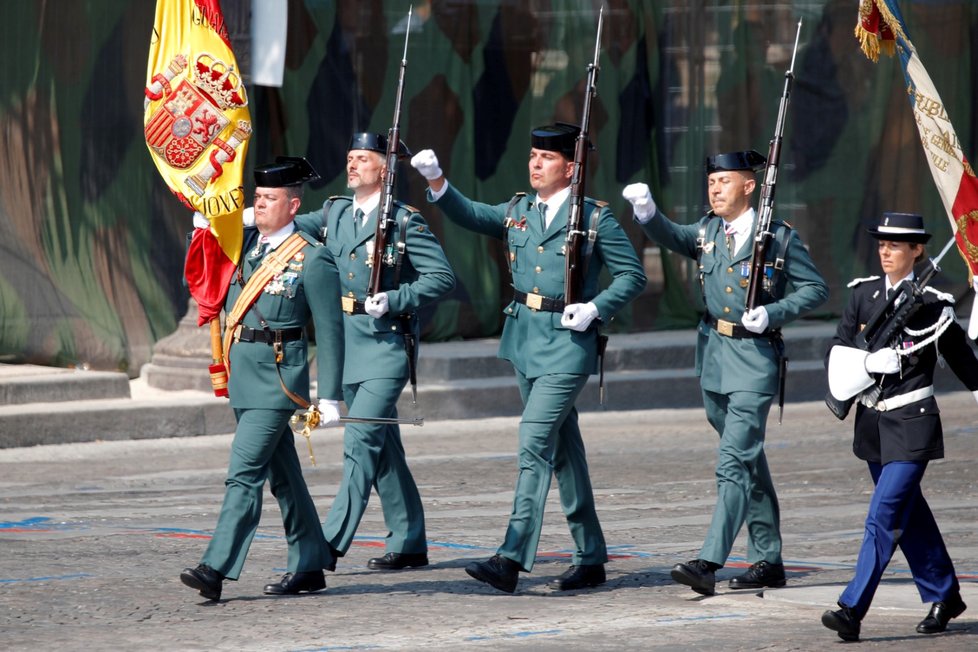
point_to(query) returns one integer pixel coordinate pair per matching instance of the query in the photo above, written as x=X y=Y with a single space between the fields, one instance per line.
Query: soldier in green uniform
x=553 y=347
x=381 y=332
x=267 y=359
x=738 y=358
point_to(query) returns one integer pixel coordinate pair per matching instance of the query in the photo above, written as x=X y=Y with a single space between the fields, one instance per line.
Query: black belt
x=538 y=301
x=262 y=336
x=351 y=306
x=732 y=329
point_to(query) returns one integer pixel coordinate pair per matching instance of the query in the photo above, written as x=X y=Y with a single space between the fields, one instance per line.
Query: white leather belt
x=895 y=402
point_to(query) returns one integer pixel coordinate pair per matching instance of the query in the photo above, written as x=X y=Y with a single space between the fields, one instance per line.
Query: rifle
x=762 y=232
x=574 y=266
x=885 y=325
x=385 y=210
x=385 y=217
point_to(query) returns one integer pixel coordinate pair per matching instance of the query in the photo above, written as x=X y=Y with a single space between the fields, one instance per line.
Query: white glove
x=329 y=413
x=884 y=361
x=248 y=216
x=201 y=222
x=578 y=316
x=640 y=198
x=426 y=163
x=377 y=305
x=756 y=320
x=973 y=322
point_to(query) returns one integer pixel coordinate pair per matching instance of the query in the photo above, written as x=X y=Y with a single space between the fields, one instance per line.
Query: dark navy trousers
x=899 y=515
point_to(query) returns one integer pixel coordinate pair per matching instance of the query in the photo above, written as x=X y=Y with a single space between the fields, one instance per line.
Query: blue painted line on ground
x=27 y=522
x=48 y=578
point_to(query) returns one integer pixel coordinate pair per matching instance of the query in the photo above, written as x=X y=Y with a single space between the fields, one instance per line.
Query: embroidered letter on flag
x=881 y=26
x=197 y=126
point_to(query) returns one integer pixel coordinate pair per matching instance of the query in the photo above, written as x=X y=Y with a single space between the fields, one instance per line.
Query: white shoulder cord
x=941 y=325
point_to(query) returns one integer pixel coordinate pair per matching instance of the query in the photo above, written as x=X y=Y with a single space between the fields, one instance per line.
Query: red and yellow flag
x=197 y=126
x=881 y=27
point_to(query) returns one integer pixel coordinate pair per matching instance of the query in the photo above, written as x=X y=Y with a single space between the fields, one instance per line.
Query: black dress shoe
x=398 y=560
x=941 y=614
x=579 y=577
x=205 y=579
x=698 y=574
x=293 y=583
x=497 y=571
x=843 y=622
x=760 y=575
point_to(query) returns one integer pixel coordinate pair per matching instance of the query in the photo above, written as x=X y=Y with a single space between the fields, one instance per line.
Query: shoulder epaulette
x=943 y=296
x=856 y=281
x=408 y=207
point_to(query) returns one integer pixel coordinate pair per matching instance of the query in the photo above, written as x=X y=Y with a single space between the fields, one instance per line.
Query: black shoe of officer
x=398 y=560
x=579 y=577
x=698 y=574
x=497 y=571
x=293 y=583
x=843 y=622
x=204 y=579
x=941 y=614
x=760 y=575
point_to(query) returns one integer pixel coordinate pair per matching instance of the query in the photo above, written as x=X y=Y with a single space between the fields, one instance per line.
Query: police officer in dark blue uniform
x=898 y=427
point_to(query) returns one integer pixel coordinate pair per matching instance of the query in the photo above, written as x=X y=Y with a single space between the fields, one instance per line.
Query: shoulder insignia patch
x=943 y=296
x=856 y=281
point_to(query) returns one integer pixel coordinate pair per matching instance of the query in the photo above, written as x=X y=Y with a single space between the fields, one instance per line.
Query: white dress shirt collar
x=554 y=203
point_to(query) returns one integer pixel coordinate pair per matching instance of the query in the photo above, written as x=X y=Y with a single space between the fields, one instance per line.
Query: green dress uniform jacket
x=264 y=445
x=534 y=341
x=376 y=364
x=551 y=362
x=739 y=375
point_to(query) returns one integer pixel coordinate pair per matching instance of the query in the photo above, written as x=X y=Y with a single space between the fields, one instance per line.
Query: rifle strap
x=401 y=248
x=326 y=208
x=273 y=263
x=592 y=236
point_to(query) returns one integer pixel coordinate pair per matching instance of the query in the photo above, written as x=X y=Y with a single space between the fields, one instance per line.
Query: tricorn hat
x=376 y=143
x=900 y=227
x=560 y=137
x=285 y=171
x=749 y=160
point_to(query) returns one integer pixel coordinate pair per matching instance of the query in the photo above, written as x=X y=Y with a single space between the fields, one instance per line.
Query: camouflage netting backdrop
x=92 y=243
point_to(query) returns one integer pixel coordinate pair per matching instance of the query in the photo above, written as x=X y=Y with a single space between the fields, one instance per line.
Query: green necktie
x=357 y=219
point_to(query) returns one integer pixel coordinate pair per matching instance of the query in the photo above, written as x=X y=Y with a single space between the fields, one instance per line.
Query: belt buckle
x=725 y=327
x=534 y=301
x=347 y=303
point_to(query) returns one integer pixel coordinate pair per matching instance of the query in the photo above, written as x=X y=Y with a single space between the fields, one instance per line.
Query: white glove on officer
x=578 y=316
x=329 y=413
x=756 y=320
x=884 y=361
x=643 y=206
x=248 y=216
x=377 y=305
x=201 y=222
x=426 y=163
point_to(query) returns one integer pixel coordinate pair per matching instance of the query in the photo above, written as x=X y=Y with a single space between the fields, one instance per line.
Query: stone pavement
x=94 y=535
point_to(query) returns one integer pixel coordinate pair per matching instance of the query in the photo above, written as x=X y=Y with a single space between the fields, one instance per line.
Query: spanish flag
x=197 y=125
x=880 y=26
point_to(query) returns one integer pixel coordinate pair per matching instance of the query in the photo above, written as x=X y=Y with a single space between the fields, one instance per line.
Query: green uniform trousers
x=551 y=444
x=264 y=448
x=745 y=491
x=374 y=456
